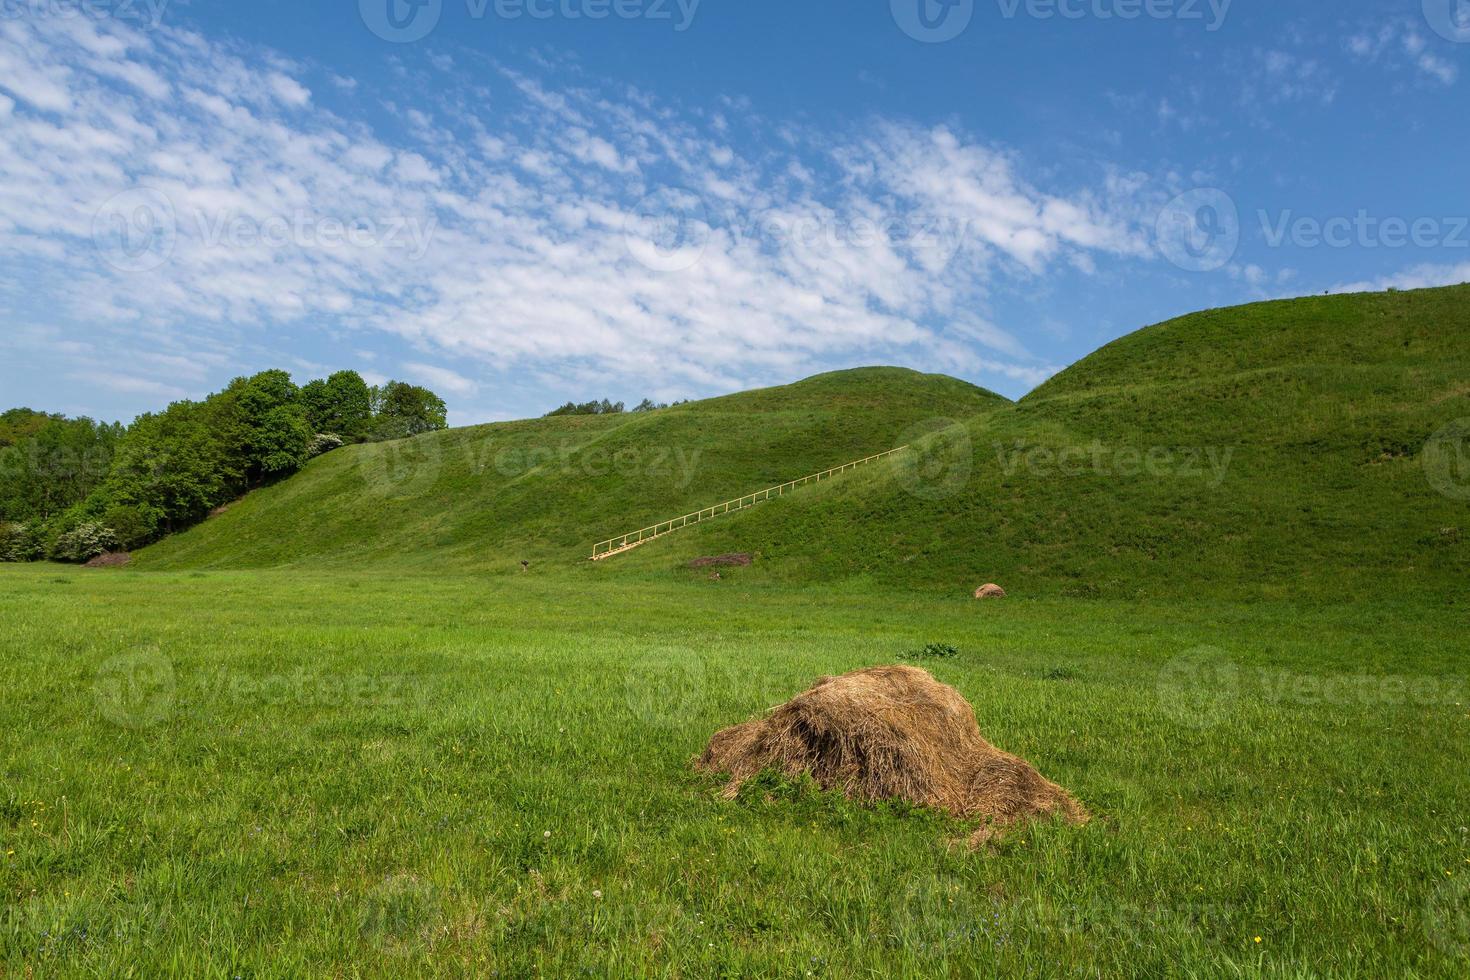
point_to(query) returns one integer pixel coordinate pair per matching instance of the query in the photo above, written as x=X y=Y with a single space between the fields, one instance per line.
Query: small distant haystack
x=991 y=591
x=111 y=559
x=891 y=733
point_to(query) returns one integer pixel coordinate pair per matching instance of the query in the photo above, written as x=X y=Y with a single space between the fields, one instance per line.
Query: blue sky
x=519 y=202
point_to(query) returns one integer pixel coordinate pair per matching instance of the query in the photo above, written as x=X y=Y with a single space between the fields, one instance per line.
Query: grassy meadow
x=287 y=773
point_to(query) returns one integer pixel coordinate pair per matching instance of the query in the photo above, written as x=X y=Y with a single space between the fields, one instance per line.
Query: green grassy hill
x=1272 y=449
x=543 y=490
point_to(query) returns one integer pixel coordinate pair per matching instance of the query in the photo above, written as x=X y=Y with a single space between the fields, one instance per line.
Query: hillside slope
x=1274 y=449
x=489 y=496
x=1271 y=449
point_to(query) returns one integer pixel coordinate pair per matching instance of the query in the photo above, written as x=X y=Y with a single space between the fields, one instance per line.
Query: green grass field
x=336 y=731
x=257 y=773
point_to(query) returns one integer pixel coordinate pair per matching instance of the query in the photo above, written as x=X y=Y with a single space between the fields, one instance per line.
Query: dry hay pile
x=891 y=733
x=111 y=559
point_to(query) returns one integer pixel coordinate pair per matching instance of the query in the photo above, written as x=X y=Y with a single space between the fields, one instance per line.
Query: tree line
x=606 y=407
x=72 y=489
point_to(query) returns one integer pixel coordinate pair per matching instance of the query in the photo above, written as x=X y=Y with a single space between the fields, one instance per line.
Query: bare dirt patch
x=722 y=561
x=113 y=559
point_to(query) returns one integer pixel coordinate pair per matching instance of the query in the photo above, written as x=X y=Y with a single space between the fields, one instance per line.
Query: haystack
x=990 y=591
x=891 y=733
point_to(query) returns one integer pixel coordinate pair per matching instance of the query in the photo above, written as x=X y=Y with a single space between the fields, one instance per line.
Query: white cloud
x=1284 y=76
x=128 y=384
x=1423 y=276
x=512 y=239
x=1399 y=44
x=287 y=89
x=440 y=378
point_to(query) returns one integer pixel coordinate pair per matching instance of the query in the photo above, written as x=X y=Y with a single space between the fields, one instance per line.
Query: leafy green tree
x=21 y=423
x=401 y=410
x=278 y=431
x=70 y=487
x=603 y=407
x=341 y=405
x=54 y=466
x=173 y=468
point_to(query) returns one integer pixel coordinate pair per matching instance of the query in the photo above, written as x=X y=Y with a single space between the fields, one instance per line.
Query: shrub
x=19 y=542
x=84 y=542
x=132 y=526
x=935 y=651
x=323 y=442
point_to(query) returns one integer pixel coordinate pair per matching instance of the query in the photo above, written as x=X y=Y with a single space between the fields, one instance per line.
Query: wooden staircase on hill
x=633 y=539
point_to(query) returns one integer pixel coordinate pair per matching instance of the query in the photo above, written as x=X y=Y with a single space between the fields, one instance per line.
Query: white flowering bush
x=18 y=542
x=84 y=542
x=324 y=442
